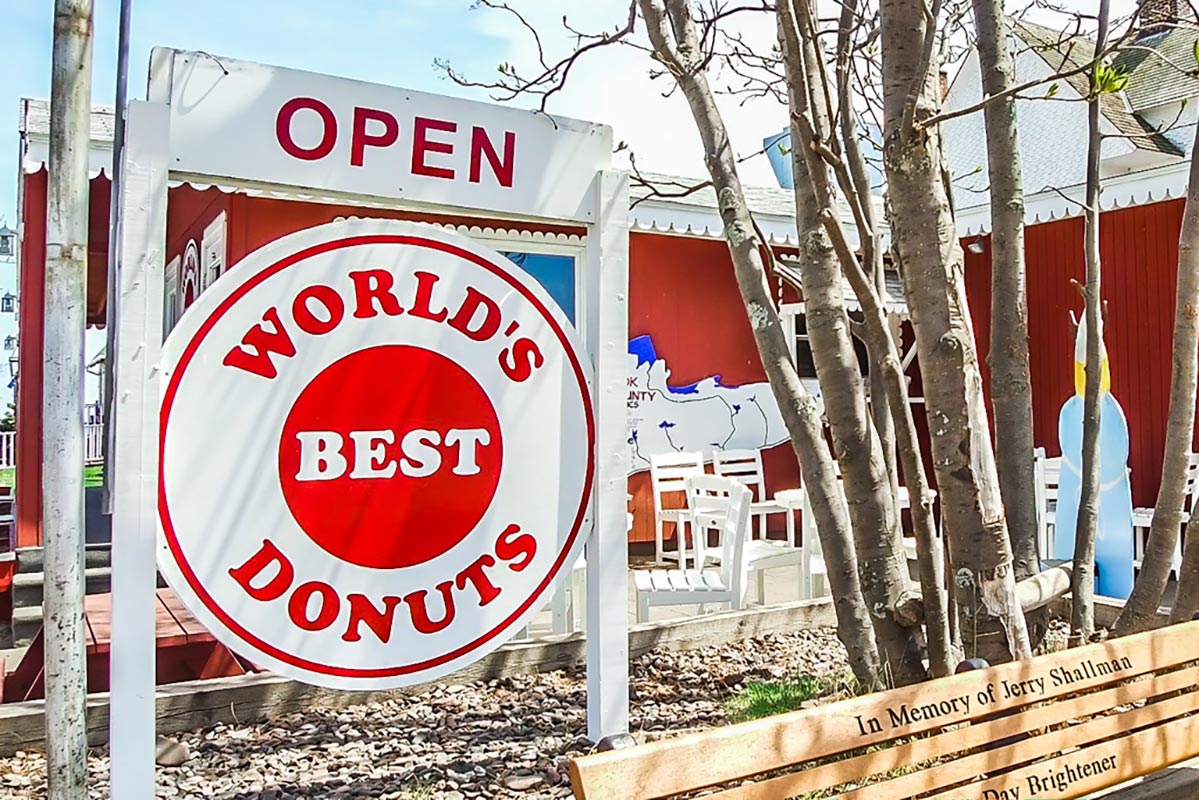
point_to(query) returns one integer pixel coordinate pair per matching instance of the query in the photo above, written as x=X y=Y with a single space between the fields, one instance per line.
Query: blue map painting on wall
x=702 y=416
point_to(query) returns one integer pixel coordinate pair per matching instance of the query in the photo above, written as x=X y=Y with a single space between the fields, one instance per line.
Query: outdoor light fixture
x=976 y=247
x=8 y=241
x=10 y=343
x=8 y=303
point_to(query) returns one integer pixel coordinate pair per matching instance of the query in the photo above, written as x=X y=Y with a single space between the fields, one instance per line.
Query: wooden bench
x=1059 y=726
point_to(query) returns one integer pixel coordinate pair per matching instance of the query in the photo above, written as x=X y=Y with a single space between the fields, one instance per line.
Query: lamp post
x=8 y=302
x=62 y=401
x=8 y=242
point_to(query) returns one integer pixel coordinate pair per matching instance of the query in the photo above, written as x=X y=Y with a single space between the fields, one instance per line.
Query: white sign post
x=135 y=450
x=381 y=445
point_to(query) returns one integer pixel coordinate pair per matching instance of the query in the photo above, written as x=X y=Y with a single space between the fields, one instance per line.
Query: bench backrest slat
x=1151 y=750
x=738 y=751
x=956 y=740
x=1027 y=750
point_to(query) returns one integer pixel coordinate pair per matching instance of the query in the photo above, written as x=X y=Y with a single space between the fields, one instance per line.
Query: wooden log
x=1032 y=592
x=1043 y=588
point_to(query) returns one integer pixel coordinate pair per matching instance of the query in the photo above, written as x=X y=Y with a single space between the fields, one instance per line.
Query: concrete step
x=25 y=624
x=32 y=559
x=28 y=587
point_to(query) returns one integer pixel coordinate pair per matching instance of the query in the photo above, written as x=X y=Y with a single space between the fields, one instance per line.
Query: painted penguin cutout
x=1113 y=533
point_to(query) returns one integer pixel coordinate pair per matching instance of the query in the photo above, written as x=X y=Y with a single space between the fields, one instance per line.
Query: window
x=805 y=365
x=170 y=296
x=212 y=245
x=556 y=274
x=801 y=348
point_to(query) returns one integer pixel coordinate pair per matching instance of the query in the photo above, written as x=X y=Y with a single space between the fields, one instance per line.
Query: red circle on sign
x=394 y=477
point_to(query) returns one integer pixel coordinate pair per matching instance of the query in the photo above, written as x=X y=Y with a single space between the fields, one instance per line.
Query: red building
x=683 y=296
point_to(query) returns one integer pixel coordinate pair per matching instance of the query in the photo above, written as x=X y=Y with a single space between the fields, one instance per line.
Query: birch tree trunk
x=858 y=183
x=1141 y=609
x=676 y=45
x=1082 y=585
x=882 y=563
x=924 y=235
x=1011 y=384
x=1186 y=601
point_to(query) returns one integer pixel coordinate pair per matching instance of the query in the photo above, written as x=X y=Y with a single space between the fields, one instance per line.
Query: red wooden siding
x=188 y=213
x=255 y=221
x=185 y=210
x=31 y=330
x=1139 y=251
x=683 y=293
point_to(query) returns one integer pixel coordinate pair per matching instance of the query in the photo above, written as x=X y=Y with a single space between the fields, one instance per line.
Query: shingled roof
x=1064 y=51
x=1162 y=66
x=34 y=120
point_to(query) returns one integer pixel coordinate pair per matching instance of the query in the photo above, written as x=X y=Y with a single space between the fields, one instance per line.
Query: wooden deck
x=186 y=650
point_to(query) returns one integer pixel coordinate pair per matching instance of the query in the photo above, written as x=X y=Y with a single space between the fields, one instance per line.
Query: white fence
x=93 y=444
x=93 y=447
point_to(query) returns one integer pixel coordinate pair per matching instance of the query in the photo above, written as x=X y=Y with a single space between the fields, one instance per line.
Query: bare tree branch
x=552 y=77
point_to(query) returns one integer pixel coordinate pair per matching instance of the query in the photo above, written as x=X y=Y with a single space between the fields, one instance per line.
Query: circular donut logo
x=376 y=454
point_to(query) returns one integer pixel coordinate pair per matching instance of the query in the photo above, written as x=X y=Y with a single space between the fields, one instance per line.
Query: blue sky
x=388 y=41
x=385 y=41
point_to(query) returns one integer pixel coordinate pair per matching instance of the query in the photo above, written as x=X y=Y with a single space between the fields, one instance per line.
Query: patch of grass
x=92 y=476
x=757 y=700
x=418 y=791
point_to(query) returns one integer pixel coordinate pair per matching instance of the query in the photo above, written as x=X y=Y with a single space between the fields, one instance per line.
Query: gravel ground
x=506 y=738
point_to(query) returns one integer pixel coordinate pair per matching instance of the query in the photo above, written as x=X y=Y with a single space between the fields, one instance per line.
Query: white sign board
x=377 y=453
x=289 y=127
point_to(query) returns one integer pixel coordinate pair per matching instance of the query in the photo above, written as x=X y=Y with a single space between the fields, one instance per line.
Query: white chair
x=745 y=467
x=566 y=609
x=668 y=473
x=813 y=575
x=1142 y=522
x=1047 y=474
x=725 y=585
x=708 y=498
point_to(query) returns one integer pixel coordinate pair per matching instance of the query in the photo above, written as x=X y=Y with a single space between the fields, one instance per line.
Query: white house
x=1147 y=131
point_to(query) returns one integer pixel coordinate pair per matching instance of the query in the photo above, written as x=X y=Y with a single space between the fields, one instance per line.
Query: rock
x=170 y=753
x=523 y=783
x=508 y=737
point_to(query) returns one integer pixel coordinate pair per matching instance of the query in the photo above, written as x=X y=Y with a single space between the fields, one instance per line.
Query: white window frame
x=190 y=250
x=172 y=296
x=516 y=242
x=789 y=311
x=212 y=252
